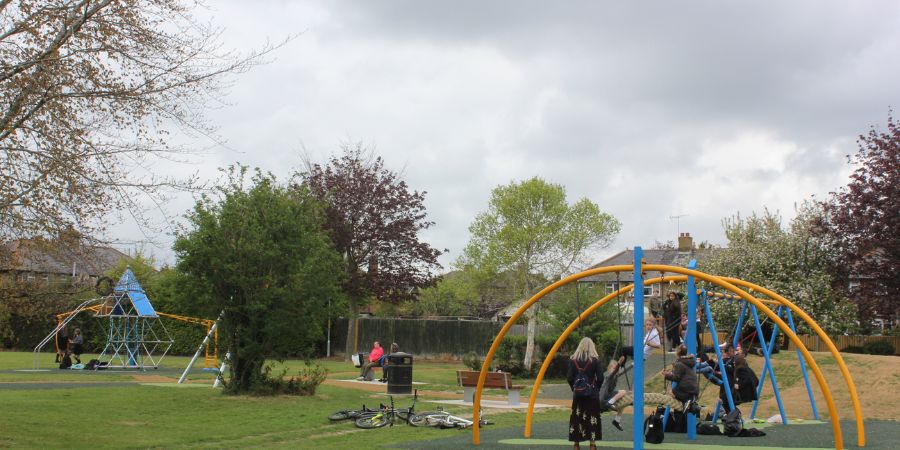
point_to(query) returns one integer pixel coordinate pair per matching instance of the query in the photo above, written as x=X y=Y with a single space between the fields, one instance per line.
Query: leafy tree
x=260 y=251
x=796 y=262
x=529 y=228
x=454 y=294
x=374 y=221
x=864 y=220
x=564 y=306
x=89 y=90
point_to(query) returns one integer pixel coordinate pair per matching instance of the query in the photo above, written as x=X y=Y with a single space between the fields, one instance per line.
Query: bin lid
x=400 y=356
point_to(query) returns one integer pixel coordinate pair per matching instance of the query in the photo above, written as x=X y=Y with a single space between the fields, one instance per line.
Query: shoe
x=617 y=425
x=360 y=378
x=611 y=404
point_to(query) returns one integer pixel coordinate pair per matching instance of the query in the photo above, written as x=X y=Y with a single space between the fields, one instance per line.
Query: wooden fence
x=451 y=338
x=814 y=344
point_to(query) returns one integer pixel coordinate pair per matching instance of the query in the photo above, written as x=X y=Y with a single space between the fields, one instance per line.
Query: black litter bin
x=399 y=373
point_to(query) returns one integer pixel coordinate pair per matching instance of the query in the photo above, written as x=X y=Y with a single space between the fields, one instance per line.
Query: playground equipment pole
x=761 y=338
x=715 y=338
x=638 y=353
x=691 y=336
x=212 y=329
x=812 y=400
x=222 y=369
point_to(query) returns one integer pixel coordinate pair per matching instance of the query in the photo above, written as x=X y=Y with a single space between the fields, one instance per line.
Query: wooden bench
x=495 y=380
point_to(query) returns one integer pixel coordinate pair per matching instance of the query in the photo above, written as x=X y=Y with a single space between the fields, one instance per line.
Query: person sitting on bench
x=385 y=365
x=375 y=360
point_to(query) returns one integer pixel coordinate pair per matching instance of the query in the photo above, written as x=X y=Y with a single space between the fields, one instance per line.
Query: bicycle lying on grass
x=354 y=414
x=442 y=419
x=387 y=414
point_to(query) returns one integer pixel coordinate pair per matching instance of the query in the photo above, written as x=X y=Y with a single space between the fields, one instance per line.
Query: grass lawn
x=125 y=411
x=195 y=415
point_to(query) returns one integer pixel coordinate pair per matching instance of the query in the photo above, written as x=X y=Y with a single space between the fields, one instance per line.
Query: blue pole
x=812 y=400
x=762 y=378
x=740 y=325
x=691 y=337
x=715 y=337
x=638 y=344
x=765 y=350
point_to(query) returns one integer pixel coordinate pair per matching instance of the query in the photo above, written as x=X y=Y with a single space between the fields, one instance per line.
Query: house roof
x=28 y=256
x=667 y=256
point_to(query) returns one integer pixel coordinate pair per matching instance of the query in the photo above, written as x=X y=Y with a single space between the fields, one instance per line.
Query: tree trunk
x=529 y=342
x=350 y=345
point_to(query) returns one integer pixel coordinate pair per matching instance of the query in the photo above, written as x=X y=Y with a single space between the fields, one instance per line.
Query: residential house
x=29 y=261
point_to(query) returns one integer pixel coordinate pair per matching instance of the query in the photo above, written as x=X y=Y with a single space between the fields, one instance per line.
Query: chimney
x=685 y=242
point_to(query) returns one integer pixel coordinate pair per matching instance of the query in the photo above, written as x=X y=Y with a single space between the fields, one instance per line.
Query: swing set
x=777 y=309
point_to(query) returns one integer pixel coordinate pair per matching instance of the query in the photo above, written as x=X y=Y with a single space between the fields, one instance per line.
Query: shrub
x=305 y=383
x=878 y=348
x=853 y=349
x=472 y=360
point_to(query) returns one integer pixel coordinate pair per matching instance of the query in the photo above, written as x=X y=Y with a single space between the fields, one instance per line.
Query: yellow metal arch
x=565 y=334
x=568 y=331
x=476 y=404
x=823 y=385
x=845 y=372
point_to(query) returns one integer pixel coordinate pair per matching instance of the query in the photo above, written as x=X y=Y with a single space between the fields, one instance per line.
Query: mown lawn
x=129 y=414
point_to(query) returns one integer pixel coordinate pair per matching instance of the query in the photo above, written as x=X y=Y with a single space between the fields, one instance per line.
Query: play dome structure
x=702 y=288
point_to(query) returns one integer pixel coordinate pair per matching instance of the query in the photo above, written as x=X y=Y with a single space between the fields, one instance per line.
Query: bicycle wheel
x=339 y=415
x=375 y=421
x=427 y=419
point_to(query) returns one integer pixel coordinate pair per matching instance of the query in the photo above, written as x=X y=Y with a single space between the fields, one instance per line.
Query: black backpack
x=66 y=362
x=708 y=428
x=733 y=423
x=653 y=428
x=92 y=364
x=582 y=387
x=677 y=422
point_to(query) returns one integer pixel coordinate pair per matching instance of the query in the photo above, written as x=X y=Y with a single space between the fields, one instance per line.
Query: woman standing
x=584 y=422
x=672 y=316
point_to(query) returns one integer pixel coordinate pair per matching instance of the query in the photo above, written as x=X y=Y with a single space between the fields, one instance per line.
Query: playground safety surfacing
x=880 y=434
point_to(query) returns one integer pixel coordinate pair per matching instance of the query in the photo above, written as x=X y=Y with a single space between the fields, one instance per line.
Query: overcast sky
x=649 y=109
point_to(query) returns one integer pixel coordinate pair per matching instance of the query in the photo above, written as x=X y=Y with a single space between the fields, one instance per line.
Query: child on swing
x=608 y=393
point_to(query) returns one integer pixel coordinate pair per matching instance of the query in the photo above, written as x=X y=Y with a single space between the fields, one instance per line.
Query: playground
x=173 y=403
x=149 y=409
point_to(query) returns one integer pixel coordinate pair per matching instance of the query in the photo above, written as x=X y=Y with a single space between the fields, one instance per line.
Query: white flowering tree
x=795 y=261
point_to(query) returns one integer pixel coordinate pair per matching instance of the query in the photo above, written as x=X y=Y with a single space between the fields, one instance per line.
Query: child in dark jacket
x=683 y=374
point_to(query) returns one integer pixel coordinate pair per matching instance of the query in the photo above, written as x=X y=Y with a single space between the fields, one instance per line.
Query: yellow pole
x=565 y=334
x=476 y=404
x=823 y=385
x=845 y=372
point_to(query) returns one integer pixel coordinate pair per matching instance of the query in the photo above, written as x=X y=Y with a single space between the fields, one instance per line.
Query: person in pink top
x=374 y=361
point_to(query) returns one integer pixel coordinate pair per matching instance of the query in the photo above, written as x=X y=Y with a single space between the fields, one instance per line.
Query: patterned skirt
x=584 y=423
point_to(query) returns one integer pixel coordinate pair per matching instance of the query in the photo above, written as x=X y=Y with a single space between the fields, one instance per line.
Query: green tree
x=261 y=253
x=566 y=303
x=529 y=228
x=795 y=262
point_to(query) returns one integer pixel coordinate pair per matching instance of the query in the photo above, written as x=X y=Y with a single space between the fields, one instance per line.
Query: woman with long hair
x=584 y=368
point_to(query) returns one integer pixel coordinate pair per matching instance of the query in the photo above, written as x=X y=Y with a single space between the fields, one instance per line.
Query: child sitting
x=705 y=368
x=608 y=393
x=683 y=374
